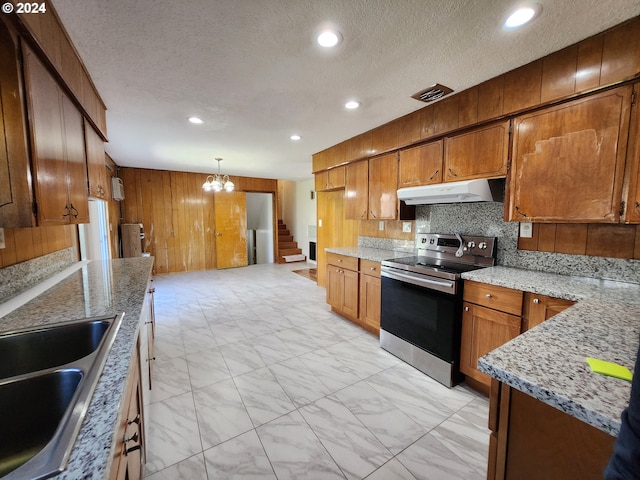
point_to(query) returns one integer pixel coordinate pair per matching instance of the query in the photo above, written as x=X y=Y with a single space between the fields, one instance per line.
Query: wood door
x=16 y=198
x=231 y=229
x=357 y=190
x=538 y=308
x=335 y=287
x=370 y=301
x=76 y=162
x=483 y=330
x=49 y=166
x=568 y=160
x=96 y=170
x=420 y=165
x=631 y=194
x=383 y=186
x=481 y=153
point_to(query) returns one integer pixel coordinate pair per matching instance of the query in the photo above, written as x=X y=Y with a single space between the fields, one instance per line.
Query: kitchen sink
x=32 y=408
x=47 y=378
x=46 y=347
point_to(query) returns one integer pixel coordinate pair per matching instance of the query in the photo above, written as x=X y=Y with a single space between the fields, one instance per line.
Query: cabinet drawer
x=350 y=263
x=368 y=267
x=499 y=298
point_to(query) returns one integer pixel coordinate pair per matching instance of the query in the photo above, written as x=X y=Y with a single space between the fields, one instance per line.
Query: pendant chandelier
x=218 y=182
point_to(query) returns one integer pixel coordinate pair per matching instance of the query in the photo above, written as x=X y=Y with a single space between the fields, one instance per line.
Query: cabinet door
x=49 y=169
x=350 y=293
x=16 y=198
x=76 y=162
x=632 y=175
x=538 y=308
x=357 y=191
x=370 y=301
x=96 y=170
x=335 y=286
x=568 y=160
x=483 y=330
x=336 y=177
x=383 y=186
x=420 y=165
x=322 y=181
x=482 y=153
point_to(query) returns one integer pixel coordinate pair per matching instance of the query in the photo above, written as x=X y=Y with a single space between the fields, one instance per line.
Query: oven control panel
x=451 y=243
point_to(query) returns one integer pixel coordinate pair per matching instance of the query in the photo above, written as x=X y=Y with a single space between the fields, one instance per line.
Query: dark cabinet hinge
x=622 y=205
x=634 y=95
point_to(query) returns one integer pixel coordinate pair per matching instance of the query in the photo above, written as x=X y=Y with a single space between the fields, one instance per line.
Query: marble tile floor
x=255 y=378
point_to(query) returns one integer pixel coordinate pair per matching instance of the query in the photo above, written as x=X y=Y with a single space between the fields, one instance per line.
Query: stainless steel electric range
x=421 y=307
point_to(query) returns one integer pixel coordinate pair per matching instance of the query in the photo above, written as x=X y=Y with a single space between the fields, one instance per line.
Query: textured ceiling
x=251 y=70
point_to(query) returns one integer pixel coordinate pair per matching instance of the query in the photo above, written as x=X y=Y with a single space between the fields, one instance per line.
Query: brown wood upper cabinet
x=420 y=165
x=96 y=169
x=480 y=153
x=58 y=149
x=383 y=185
x=357 y=191
x=330 y=179
x=16 y=198
x=568 y=161
x=631 y=191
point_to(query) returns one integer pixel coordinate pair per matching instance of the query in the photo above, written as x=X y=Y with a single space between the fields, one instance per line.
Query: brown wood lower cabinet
x=353 y=290
x=531 y=440
x=129 y=440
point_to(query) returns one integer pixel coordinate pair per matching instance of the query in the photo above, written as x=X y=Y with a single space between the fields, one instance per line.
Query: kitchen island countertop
x=548 y=361
x=95 y=289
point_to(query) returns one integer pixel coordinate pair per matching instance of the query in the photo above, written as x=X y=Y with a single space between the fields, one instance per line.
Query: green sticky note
x=609 y=368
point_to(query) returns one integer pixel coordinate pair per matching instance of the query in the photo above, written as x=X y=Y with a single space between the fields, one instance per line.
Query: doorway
x=260 y=237
x=94 y=236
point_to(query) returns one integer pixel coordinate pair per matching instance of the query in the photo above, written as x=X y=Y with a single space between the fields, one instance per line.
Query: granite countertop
x=96 y=289
x=548 y=362
x=368 y=253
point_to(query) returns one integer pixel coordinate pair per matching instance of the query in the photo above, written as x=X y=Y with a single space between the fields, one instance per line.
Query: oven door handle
x=425 y=282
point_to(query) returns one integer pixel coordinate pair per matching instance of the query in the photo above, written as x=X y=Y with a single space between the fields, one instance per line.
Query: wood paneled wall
x=178 y=216
x=24 y=244
x=392 y=229
x=113 y=209
x=599 y=240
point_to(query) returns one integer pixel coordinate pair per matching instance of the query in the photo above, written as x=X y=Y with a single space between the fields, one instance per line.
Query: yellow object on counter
x=609 y=368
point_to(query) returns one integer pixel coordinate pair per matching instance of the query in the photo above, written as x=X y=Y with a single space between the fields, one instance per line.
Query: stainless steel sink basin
x=47 y=378
x=37 y=349
x=29 y=424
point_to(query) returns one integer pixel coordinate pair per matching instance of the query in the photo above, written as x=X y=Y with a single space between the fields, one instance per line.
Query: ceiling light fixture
x=352 y=105
x=196 y=120
x=523 y=15
x=295 y=137
x=218 y=182
x=329 y=38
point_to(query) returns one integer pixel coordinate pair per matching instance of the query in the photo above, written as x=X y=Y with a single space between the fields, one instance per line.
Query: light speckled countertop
x=96 y=289
x=548 y=362
x=368 y=253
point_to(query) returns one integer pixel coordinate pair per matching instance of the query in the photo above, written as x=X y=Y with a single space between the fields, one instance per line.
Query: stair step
x=283 y=232
x=289 y=251
x=285 y=238
x=283 y=245
x=281 y=226
x=300 y=258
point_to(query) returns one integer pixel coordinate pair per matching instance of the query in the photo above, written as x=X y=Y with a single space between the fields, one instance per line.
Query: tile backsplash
x=487 y=219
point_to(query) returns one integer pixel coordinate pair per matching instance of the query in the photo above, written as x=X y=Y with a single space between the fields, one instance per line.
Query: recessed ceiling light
x=352 y=105
x=196 y=120
x=329 y=38
x=522 y=15
x=295 y=137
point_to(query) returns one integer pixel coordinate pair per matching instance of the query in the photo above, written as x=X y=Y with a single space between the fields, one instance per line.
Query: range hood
x=454 y=192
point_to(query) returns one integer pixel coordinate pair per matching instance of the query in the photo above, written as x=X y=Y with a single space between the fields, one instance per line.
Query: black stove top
x=430 y=266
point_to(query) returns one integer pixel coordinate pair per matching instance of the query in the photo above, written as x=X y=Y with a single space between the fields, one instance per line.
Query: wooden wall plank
x=636 y=249
x=547 y=237
x=491 y=98
x=530 y=243
x=559 y=74
x=9 y=254
x=522 y=87
x=571 y=238
x=621 y=53
x=616 y=241
x=589 y=63
x=468 y=107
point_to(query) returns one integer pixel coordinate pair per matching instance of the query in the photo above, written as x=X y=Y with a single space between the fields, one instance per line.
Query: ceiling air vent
x=432 y=93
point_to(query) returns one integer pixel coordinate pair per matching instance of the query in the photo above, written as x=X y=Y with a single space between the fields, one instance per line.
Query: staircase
x=288 y=250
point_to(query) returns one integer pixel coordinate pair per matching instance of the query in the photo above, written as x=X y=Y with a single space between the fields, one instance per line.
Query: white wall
x=260 y=219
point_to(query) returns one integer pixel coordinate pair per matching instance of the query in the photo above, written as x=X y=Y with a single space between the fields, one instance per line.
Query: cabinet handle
x=135 y=420
x=152 y=290
x=466 y=309
x=488 y=295
x=66 y=207
x=339 y=260
x=75 y=215
x=132 y=438
x=373 y=269
x=536 y=301
x=372 y=214
x=434 y=174
x=132 y=449
x=452 y=173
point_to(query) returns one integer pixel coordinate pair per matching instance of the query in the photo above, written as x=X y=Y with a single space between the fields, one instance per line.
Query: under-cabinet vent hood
x=454 y=192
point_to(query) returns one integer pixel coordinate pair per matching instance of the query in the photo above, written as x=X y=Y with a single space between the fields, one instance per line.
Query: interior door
x=231 y=229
